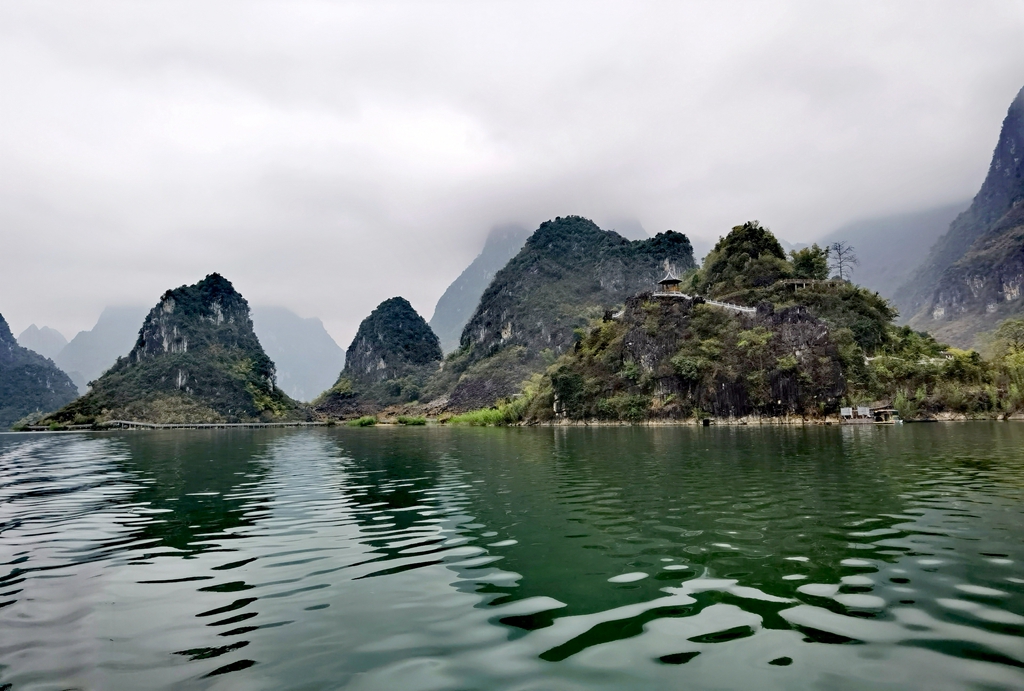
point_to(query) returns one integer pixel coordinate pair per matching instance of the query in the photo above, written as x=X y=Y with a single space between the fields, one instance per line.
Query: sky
x=325 y=156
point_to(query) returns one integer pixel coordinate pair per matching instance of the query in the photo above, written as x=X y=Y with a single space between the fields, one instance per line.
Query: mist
x=326 y=156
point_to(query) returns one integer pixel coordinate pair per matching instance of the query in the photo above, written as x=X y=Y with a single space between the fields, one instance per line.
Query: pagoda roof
x=670 y=278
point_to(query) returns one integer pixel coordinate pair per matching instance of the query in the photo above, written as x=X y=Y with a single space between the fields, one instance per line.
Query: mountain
x=29 y=383
x=568 y=272
x=307 y=358
x=390 y=358
x=456 y=306
x=45 y=341
x=973 y=274
x=891 y=247
x=196 y=359
x=809 y=347
x=91 y=353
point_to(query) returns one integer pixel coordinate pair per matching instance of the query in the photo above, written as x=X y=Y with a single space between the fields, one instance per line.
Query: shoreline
x=130 y=425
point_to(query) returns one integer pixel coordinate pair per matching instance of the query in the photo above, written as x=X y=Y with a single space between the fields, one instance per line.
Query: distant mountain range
x=45 y=341
x=307 y=358
x=90 y=353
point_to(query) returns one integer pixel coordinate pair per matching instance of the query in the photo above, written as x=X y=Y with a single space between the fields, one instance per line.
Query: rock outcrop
x=196 y=359
x=30 y=384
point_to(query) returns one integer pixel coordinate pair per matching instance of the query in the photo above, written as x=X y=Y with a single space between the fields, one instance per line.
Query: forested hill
x=389 y=361
x=568 y=272
x=196 y=359
x=29 y=383
x=811 y=346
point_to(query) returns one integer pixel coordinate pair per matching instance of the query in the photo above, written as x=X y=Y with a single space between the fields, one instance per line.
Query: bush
x=407 y=420
x=505 y=413
x=365 y=421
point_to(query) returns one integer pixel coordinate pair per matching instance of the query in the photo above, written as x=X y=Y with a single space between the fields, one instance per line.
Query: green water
x=433 y=558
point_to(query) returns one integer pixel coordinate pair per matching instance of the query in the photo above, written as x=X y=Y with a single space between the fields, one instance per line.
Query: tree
x=811 y=262
x=749 y=256
x=1010 y=335
x=842 y=259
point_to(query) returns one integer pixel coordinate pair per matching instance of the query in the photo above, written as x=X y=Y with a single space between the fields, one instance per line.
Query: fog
x=325 y=156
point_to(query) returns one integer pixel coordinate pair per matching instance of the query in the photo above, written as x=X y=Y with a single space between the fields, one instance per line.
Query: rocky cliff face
x=568 y=273
x=196 y=359
x=390 y=342
x=982 y=288
x=946 y=288
x=460 y=299
x=390 y=359
x=29 y=383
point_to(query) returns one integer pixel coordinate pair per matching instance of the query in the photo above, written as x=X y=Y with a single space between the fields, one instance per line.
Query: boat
x=886 y=416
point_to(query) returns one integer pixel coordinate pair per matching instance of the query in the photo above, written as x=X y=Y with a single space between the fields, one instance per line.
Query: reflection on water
x=612 y=558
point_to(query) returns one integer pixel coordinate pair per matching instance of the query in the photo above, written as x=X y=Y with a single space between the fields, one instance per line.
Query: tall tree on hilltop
x=843 y=259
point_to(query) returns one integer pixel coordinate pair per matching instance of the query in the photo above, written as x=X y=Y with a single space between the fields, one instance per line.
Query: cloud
x=326 y=155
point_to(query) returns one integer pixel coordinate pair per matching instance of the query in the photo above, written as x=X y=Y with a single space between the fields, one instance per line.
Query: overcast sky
x=325 y=156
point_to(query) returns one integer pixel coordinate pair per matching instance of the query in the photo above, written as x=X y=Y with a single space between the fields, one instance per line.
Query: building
x=669 y=284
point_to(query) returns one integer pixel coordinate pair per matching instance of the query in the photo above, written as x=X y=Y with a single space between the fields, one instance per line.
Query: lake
x=524 y=558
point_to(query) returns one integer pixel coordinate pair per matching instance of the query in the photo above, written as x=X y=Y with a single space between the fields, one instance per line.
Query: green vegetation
x=365 y=421
x=810 y=262
x=811 y=348
x=748 y=257
x=196 y=359
x=506 y=412
x=411 y=420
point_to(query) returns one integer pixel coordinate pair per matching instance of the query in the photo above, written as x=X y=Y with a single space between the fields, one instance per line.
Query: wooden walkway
x=132 y=424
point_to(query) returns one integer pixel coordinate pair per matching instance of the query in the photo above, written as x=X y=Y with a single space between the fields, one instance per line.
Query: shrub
x=407 y=420
x=365 y=421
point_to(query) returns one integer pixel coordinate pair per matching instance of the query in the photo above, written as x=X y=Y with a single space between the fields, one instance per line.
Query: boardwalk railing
x=716 y=303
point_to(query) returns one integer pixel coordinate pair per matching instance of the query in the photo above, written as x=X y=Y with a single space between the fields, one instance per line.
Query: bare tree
x=842 y=259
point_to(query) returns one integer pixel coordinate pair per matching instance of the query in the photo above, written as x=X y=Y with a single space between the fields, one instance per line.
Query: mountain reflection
x=190 y=484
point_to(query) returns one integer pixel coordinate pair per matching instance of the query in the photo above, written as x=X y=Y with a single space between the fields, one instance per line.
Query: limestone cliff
x=459 y=301
x=972 y=275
